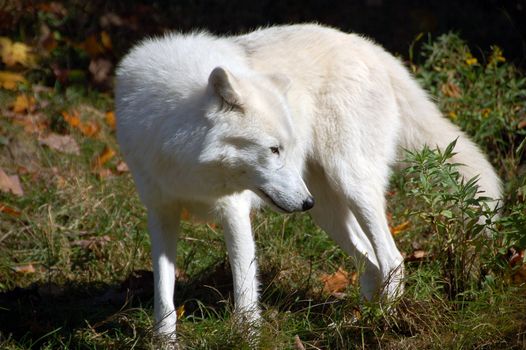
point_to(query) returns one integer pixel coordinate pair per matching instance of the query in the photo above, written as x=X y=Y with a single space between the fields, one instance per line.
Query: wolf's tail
x=423 y=124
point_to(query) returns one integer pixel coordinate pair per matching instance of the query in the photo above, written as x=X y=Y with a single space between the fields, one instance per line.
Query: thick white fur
x=219 y=125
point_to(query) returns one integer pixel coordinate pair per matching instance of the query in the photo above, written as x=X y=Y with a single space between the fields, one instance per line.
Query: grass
x=75 y=269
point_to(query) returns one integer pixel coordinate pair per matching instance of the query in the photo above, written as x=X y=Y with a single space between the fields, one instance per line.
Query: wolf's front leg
x=164 y=226
x=235 y=217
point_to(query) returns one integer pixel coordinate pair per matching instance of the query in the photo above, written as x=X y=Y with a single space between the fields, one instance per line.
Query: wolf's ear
x=281 y=81
x=225 y=85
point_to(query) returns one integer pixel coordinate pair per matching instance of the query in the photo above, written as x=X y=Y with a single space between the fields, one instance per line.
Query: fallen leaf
x=336 y=282
x=519 y=275
x=450 y=89
x=521 y=124
x=100 y=69
x=122 y=167
x=35 y=123
x=400 y=228
x=298 y=344
x=9 y=211
x=110 y=119
x=417 y=255
x=92 y=45
x=61 y=143
x=14 y=53
x=10 y=184
x=106 y=155
x=516 y=256
x=24 y=269
x=10 y=80
x=180 y=311
x=24 y=104
x=89 y=128
x=47 y=39
x=106 y=40
x=72 y=118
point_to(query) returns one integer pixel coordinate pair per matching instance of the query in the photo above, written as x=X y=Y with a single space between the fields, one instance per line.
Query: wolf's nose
x=308 y=203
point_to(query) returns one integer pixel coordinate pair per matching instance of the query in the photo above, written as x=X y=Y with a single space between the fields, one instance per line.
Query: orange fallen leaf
x=106 y=155
x=9 y=211
x=24 y=269
x=89 y=128
x=10 y=184
x=72 y=118
x=110 y=119
x=521 y=124
x=336 y=282
x=400 y=228
x=10 y=80
x=61 y=143
x=24 y=103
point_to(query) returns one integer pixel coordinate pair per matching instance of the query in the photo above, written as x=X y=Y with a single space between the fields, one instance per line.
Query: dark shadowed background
x=394 y=24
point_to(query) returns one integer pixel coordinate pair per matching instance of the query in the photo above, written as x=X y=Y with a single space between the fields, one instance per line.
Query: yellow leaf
x=471 y=61
x=180 y=311
x=24 y=103
x=13 y=53
x=10 y=80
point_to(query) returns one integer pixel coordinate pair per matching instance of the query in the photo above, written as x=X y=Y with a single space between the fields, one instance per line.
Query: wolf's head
x=252 y=138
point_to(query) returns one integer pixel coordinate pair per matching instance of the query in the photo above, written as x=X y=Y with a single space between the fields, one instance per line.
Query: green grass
x=86 y=238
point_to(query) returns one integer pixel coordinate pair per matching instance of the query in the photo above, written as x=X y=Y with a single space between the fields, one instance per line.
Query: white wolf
x=282 y=115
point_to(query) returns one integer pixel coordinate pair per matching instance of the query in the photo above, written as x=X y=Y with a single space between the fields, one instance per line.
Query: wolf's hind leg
x=332 y=214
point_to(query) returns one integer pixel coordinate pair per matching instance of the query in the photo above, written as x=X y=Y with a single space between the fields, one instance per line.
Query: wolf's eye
x=274 y=150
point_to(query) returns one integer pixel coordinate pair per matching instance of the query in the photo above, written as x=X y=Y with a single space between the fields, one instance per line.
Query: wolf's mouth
x=273 y=202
